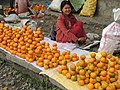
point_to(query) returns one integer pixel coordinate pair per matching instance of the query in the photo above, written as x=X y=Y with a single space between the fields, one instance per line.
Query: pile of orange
x=23 y=43
x=7 y=10
x=97 y=73
x=38 y=7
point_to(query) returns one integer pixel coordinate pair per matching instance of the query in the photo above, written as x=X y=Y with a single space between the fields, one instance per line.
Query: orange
x=55 y=64
x=92 y=60
x=72 y=72
x=40 y=64
x=68 y=75
x=90 y=86
x=97 y=85
x=82 y=72
x=104 y=54
x=74 y=59
x=103 y=73
x=109 y=56
x=56 y=55
x=49 y=57
x=74 y=55
x=112 y=70
x=67 y=56
x=60 y=58
x=59 y=70
x=54 y=60
x=46 y=62
x=64 y=72
x=51 y=65
x=82 y=57
x=64 y=62
x=103 y=59
x=112 y=59
x=64 y=53
x=54 y=44
x=38 y=29
x=72 y=67
x=64 y=67
x=81 y=82
x=112 y=64
x=41 y=59
x=92 y=54
x=46 y=66
x=93 y=75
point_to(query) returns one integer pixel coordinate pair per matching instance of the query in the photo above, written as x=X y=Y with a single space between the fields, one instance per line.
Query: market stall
x=69 y=66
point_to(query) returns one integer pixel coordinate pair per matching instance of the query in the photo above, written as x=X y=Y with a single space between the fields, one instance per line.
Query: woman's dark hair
x=63 y=3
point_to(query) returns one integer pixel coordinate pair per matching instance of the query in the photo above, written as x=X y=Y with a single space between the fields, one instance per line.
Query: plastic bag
x=12 y=18
x=89 y=8
x=110 y=41
x=30 y=23
x=55 y=5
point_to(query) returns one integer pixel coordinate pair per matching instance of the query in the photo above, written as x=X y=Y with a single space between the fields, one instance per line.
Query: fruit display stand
x=44 y=56
x=67 y=83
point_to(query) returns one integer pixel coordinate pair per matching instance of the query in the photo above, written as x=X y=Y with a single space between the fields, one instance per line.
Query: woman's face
x=66 y=9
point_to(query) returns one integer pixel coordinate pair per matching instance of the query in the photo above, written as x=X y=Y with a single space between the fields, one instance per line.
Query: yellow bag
x=89 y=8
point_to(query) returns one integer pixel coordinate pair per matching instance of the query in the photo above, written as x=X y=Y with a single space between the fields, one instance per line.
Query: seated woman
x=68 y=29
x=21 y=6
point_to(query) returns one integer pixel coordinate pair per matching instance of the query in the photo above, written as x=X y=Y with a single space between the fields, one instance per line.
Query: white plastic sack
x=30 y=23
x=12 y=18
x=110 y=41
x=55 y=5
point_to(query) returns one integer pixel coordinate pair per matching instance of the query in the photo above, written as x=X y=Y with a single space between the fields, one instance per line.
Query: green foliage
x=2 y=61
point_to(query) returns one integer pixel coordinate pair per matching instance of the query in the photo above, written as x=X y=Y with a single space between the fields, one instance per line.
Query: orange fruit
x=93 y=75
x=67 y=56
x=92 y=54
x=68 y=75
x=90 y=86
x=109 y=56
x=112 y=64
x=56 y=55
x=103 y=73
x=64 y=72
x=97 y=85
x=83 y=57
x=82 y=72
x=49 y=57
x=54 y=44
x=64 y=67
x=112 y=70
x=46 y=66
x=55 y=64
x=81 y=82
x=72 y=67
x=74 y=55
x=59 y=70
x=41 y=59
x=104 y=54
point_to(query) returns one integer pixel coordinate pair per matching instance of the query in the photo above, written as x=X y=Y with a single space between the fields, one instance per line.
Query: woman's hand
x=82 y=39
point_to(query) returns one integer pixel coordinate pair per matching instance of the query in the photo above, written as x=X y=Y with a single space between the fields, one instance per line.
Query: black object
x=53 y=33
x=11 y=4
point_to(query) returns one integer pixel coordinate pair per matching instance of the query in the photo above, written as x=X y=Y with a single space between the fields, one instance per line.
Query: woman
x=21 y=6
x=67 y=27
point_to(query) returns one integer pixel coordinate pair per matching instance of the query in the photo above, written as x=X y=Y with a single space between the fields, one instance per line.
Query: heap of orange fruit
x=38 y=7
x=7 y=10
x=97 y=73
x=26 y=44
x=22 y=43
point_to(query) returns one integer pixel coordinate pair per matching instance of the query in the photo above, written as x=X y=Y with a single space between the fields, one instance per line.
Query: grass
x=2 y=61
